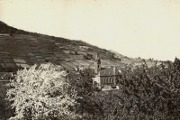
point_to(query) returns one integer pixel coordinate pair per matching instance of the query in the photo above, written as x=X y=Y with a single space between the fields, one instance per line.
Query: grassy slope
x=25 y=48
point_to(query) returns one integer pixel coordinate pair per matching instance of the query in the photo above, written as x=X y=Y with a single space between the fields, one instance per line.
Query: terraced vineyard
x=22 y=49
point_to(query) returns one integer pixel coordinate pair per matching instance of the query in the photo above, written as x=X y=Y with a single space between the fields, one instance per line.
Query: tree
x=145 y=93
x=82 y=82
x=5 y=108
x=42 y=92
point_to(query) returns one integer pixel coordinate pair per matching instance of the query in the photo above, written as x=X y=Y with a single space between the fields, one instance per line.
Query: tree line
x=47 y=92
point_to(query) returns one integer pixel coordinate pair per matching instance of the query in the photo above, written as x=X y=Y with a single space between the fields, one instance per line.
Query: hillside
x=22 y=49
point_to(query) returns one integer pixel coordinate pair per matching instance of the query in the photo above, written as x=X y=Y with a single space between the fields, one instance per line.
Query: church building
x=106 y=78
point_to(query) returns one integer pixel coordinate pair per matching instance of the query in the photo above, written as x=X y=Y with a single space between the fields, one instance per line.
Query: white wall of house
x=97 y=80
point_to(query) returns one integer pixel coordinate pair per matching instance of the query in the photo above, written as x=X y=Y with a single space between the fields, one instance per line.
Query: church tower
x=98 y=64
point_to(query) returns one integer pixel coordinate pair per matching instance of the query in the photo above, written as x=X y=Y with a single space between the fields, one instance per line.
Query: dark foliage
x=5 y=108
x=88 y=56
x=145 y=93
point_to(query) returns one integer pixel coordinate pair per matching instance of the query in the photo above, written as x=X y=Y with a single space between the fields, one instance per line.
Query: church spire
x=98 y=63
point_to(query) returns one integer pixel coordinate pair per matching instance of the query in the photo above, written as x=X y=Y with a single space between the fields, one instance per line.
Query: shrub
x=88 y=56
x=5 y=108
x=42 y=92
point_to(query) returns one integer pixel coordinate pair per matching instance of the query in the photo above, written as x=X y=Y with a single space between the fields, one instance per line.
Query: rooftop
x=110 y=71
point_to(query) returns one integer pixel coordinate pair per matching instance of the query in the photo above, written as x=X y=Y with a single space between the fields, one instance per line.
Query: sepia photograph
x=89 y=59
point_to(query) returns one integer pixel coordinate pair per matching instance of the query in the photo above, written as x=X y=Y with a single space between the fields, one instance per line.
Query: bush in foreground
x=42 y=92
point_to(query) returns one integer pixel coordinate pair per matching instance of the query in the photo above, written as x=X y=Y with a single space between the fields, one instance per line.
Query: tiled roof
x=110 y=72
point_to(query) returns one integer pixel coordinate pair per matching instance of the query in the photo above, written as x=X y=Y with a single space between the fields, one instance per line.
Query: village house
x=106 y=78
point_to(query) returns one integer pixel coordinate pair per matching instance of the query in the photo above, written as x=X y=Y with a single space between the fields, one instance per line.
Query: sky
x=134 y=28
